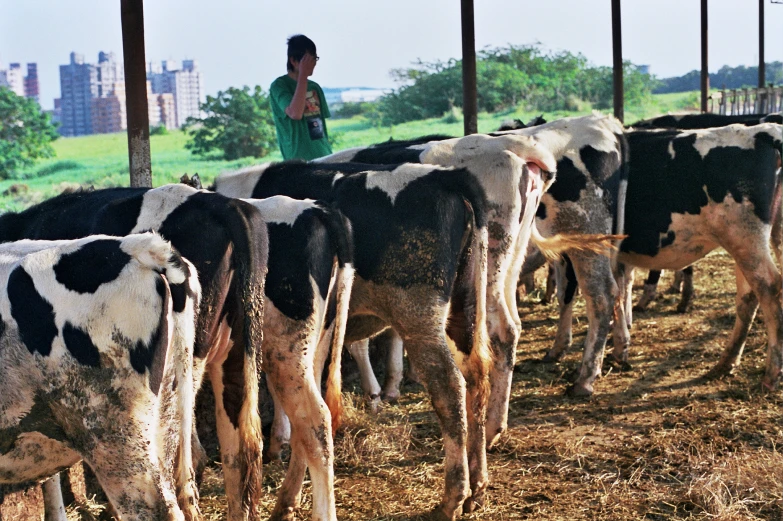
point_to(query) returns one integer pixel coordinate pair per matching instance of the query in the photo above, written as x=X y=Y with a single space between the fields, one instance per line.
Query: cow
x=586 y=198
x=420 y=243
x=690 y=122
x=227 y=242
x=691 y=191
x=97 y=365
x=310 y=272
x=698 y=121
x=516 y=124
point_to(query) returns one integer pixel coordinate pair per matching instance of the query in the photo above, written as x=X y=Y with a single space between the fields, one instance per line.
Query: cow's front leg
x=687 y=290
x=280 y=434
x=434 y=363
x=394 y=366
x=566 y=290
x=360 y=351
x=650 y=290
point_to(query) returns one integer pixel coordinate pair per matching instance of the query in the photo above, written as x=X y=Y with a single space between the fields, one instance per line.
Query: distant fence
x=757 y=100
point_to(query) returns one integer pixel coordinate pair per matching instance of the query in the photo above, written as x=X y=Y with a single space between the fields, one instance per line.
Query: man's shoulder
x=279 y=82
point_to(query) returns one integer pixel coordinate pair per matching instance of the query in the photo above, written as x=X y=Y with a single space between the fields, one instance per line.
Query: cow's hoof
x=283 y=514
x=616 y=363
x=391 y=396
x=474 y=502
x=579 y=390
x=551 y=359
x=374 y=403
x=493 y=438
x=440 y=513
x=719 y=371
x=682 y=309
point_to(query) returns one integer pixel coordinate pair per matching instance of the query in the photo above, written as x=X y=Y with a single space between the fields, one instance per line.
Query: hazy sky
x=243 y=42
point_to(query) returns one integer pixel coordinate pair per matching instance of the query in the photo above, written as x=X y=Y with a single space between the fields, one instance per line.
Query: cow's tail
x=250 y=260
x=173 y=363
x=777 y=211
x=557 y=245
x=341 y=243
x=481 y=358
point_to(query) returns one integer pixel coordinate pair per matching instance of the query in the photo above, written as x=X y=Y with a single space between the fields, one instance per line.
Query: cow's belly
x=687 y=239
x=34 y=457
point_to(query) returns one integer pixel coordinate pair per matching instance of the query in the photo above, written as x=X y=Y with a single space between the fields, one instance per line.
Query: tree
x=238 y=123
x=26 y=132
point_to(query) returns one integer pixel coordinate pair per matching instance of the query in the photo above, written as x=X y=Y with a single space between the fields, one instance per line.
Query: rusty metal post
x=136 y=93
x=762 y=67
x=617 y=62
x=705 y=73
x=469 y=91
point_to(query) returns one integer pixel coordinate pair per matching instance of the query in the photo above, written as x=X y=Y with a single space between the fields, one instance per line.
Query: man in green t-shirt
x=298 y=105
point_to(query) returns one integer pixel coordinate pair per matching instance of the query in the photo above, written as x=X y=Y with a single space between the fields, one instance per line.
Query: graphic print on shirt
x=312 y=115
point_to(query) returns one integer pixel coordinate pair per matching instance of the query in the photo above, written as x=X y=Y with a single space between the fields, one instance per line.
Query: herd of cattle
x=117 y=302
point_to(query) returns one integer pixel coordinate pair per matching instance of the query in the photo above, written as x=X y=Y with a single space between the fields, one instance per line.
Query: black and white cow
x=683 y=280
x=420 y=241
x=307 y=293
x=698 y=121
x=690 y=192
x=226 y=240
x=97 y=365
x=585 y=198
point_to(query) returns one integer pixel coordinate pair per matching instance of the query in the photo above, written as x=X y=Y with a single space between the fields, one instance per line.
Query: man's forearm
x=295 y=109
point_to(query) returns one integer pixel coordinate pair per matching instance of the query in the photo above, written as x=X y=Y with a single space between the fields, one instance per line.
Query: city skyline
x=244 y=43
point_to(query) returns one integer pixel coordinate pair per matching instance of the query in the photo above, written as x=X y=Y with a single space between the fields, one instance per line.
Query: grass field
x=102 y=160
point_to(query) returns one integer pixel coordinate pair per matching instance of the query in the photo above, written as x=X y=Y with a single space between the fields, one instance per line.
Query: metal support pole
x=136 y=93
x=469 y=91
x=705 y=74
x=762 y=67
x=617 y=62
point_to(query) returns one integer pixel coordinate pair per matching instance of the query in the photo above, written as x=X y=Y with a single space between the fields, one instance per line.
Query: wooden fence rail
x=757 y=100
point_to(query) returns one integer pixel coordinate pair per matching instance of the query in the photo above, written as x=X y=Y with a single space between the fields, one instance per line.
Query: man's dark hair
x=298 y=45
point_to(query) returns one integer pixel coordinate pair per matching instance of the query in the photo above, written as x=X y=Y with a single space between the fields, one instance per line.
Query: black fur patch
x=81 y=346
x=33 y=314
x=95 y=263
x=569 y=183
x=142 y=354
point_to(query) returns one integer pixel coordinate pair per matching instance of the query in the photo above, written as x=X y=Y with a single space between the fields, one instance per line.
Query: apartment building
x=185 y=84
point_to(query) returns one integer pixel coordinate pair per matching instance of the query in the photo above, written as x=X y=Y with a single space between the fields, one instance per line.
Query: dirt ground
x=654 y=443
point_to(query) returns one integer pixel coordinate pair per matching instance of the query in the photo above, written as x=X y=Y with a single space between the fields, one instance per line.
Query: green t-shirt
x=306 y=138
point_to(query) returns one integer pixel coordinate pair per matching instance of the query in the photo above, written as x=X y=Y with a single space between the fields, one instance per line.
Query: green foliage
x=26 y=132
x=159 y=130
x=350 y=109
x=238 y=123
x=509 y=77
x=726 y=77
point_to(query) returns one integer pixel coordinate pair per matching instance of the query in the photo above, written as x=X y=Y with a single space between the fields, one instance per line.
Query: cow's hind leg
x=289 y=351
x=435 y=364
x=280 y=434
x=241 y=476
x=600 y=292
x=566 y=290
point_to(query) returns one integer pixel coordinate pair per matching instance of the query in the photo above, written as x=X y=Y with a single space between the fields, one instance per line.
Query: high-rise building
x=80 y=83
x=31 y=89
x=13 y=79
x=184 y=82
x=109 y=113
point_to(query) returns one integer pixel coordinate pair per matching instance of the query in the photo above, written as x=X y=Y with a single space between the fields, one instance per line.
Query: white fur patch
x=281 y=209
x=731 y=136
x=392 y=183
x=240 y=183
x=159 y=203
